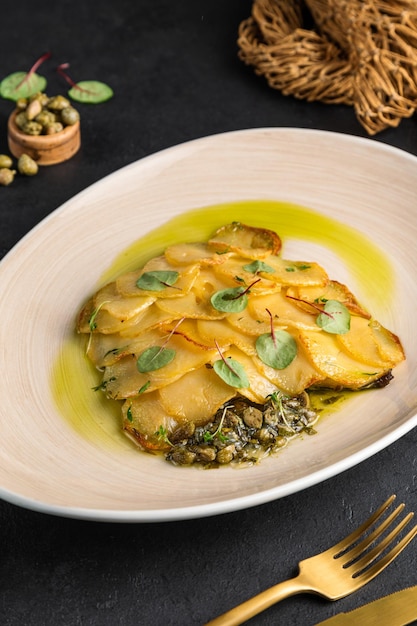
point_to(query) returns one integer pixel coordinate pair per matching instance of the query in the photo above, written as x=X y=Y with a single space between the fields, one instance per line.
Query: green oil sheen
x=99 y=419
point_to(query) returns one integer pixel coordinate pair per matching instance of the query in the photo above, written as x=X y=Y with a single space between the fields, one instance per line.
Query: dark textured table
x=176 y=76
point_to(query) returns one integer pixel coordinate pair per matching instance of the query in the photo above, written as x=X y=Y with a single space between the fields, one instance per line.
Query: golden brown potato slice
x=189 y=306
x=389 y=345
x=143 y=417
x=288 y=273
x=248 y=241
x=191 y=253
x=127 y=286
x=124 y=379
x=332 y=291
x=340 y=369
x=196 y=396
x=260 y=387
x=284 y=311
x=299 y=375
x=233 y=271
x=225 y=335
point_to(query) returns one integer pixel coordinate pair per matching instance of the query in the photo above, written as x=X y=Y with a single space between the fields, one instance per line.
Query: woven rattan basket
x=357 y=52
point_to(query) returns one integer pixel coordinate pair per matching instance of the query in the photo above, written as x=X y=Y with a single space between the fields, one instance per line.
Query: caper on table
x=6 y=176
x=5 y=161
x=27 y=166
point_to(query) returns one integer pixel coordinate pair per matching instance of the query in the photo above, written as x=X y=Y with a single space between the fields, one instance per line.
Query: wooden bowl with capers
x=45 y=128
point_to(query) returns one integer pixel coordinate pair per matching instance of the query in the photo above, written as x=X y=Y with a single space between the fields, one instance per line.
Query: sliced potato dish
x=207 y=322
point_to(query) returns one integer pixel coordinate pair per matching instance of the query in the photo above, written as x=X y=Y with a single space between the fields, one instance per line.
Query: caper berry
x=70 y=116
x=27 y=166
x=6 y=176
x=5 y=161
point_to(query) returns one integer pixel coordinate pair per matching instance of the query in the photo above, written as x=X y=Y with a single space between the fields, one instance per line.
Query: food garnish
x=213 y=348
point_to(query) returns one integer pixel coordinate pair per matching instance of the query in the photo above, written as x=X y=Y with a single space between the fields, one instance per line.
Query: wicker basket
x=358 y=52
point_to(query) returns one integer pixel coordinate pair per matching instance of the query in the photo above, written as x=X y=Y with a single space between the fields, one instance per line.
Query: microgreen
x=294 y=268
x=335 y=318
x=277 y=348
x=208 y=437
x=24 y=84
x=103 y=385
x=231 y=300
x=86 y=91
x=144 y=387
x=230 y=371
x=154 y=358
x=258 y=266
x=157 y=280
x=129 y=414
x=276 y=398
x=92 y=321
x=162 y=435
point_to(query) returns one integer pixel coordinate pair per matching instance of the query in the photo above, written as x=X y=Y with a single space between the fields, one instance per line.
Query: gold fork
x=338 y=571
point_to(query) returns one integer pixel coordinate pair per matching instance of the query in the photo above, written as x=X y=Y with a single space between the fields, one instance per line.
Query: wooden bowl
x=44 y=149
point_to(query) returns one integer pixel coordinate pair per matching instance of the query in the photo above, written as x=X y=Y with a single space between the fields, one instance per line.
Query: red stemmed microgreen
x=155 y=357
x=87 y=91
x=230 y=371
x=233 y=299
x=333 y=317
x=277 y=348
x=24 y=84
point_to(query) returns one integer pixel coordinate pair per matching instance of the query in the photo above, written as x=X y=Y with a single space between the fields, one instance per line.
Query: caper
x=53 y=127
x=27 y=166
x=21 y=119
x=33 y=109
x=225 y=455
x=205 y=454
x=45 y=117
x=42 y=97
x=70 y=116
x=58 y=103
x=181 y=456
x=32 y=128
x=21 y=104
x=5 y=161
x=6 y=176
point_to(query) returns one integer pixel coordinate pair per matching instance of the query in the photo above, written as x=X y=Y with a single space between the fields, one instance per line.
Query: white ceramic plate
x=91 y=472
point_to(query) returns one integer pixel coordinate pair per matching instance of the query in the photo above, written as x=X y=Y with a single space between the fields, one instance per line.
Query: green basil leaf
x=335 y=318
x=90 y=92
x=258 y=266
x=20 y=85
x=154 y=358
x=157 y=280
x=232 y=372
x=232 y=300
x=277 y=350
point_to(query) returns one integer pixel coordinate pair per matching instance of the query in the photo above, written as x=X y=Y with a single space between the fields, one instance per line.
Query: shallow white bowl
x=49 y=465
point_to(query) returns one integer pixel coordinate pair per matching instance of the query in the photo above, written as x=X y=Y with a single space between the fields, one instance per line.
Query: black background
x=176 y=76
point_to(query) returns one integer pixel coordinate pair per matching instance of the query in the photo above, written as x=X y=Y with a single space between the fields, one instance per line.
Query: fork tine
x=349 y=556
x=373 y=571
x=370 y=556
x=348 y=541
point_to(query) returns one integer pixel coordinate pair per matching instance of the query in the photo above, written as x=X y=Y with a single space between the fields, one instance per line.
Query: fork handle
x=259 y=603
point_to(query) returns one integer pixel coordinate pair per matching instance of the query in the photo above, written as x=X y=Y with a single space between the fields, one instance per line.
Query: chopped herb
x=129 y=414
x=144 y=387
x=103 y=385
